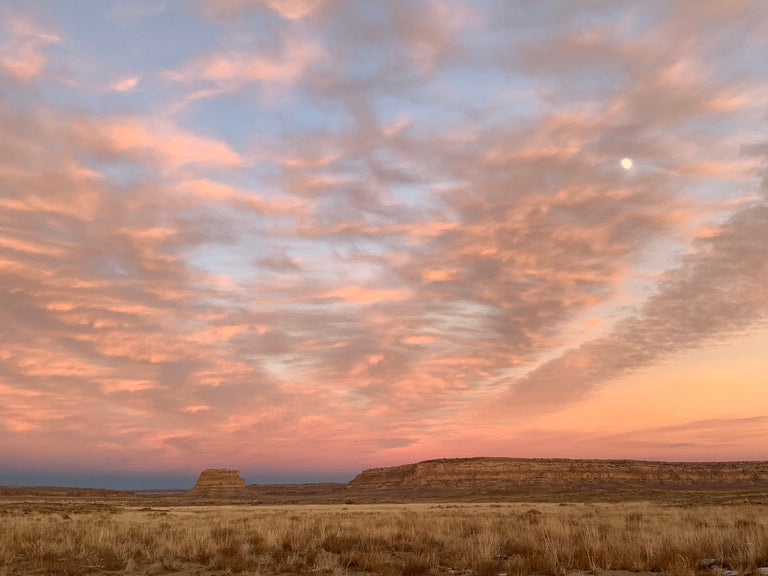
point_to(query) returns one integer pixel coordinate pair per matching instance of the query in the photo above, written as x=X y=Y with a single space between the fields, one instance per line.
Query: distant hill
x=61 y=491
x=488 y=478
x=472 y=474
x=466 y=478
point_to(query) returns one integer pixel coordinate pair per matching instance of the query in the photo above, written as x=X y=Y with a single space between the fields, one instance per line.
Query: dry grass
x=412 y=539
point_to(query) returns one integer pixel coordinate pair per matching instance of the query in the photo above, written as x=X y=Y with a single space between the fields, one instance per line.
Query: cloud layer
x=357 y=233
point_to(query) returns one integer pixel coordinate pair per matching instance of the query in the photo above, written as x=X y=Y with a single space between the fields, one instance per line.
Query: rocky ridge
x=502 y=478
x=523 y=473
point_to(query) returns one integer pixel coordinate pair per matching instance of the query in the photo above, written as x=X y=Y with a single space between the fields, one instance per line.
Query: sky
x=301 y=238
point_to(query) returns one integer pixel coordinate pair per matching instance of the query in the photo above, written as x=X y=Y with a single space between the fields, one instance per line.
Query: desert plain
x=447 y=517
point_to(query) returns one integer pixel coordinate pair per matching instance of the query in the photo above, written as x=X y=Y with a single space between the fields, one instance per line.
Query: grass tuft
x=411 y=540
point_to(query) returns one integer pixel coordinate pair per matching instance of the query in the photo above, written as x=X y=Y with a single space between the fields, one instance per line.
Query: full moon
x=626 y=163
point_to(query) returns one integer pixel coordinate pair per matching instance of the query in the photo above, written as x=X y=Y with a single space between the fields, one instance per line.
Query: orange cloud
x=196 y=409
x=361 y=294
x=719 y=291
x=117 y=385
x=215 y=192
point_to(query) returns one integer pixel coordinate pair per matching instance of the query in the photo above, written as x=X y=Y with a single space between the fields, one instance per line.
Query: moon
x=626 y=163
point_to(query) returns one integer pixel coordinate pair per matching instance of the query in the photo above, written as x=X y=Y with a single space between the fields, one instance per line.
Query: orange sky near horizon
x=302 y=238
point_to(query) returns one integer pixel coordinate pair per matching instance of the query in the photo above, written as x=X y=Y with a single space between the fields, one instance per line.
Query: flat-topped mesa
x=514 y=473
x=220 y=477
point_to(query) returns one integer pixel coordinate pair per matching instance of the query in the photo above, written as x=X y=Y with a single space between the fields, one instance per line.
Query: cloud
x=718 y=292
x=433 y=36
x=712 y=439
x=22 y=55
x=430 y=218
x=536 y=231
x=344 y=53
x=290 y=9
x=140 y=138
x=125 y=85
x=232 y=69
x=222 y=194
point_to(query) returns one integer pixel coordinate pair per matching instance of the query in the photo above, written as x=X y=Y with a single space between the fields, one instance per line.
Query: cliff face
x=499 y=477
x=512 y=473
x=220 y=477
x=215 y=480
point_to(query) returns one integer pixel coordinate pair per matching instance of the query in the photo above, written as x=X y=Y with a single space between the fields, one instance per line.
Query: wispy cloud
x=231 y=70
x=22 y=53
x=290 y=9
x=125 y=84
x=125 y=137
x=719 y=291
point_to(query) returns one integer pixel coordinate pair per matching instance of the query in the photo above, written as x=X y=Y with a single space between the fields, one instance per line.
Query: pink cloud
x=294 y=9
x=22 y=55
x=368 y=288
x=197 y=408
x=290 y=9
x=232 y=69
x=718 y=292
x=222 y=194
x=160 y=139
x=365 y=295
x=110 y=386
x=716 y=439
x=125 y=84
x=433 y=36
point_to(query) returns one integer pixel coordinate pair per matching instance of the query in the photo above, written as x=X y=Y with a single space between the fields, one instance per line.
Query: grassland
x=75 y=536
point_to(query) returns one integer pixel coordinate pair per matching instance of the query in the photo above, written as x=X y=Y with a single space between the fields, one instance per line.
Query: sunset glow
x=305 y=237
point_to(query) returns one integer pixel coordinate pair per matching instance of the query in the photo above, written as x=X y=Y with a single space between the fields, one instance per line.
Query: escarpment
x=501 y=478
x=519 y=473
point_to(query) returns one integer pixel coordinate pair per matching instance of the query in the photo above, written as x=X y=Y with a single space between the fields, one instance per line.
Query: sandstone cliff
x=519 y=473
x=220 y=477
x=505 y=478
x=218 y=482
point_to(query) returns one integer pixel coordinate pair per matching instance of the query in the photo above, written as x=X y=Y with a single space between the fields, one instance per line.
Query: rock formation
x=218 y=482
x=493 y=478
x=520 y=473
x=220 y=477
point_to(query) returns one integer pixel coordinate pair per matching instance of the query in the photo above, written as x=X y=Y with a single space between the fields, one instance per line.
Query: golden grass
x=408 y=539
